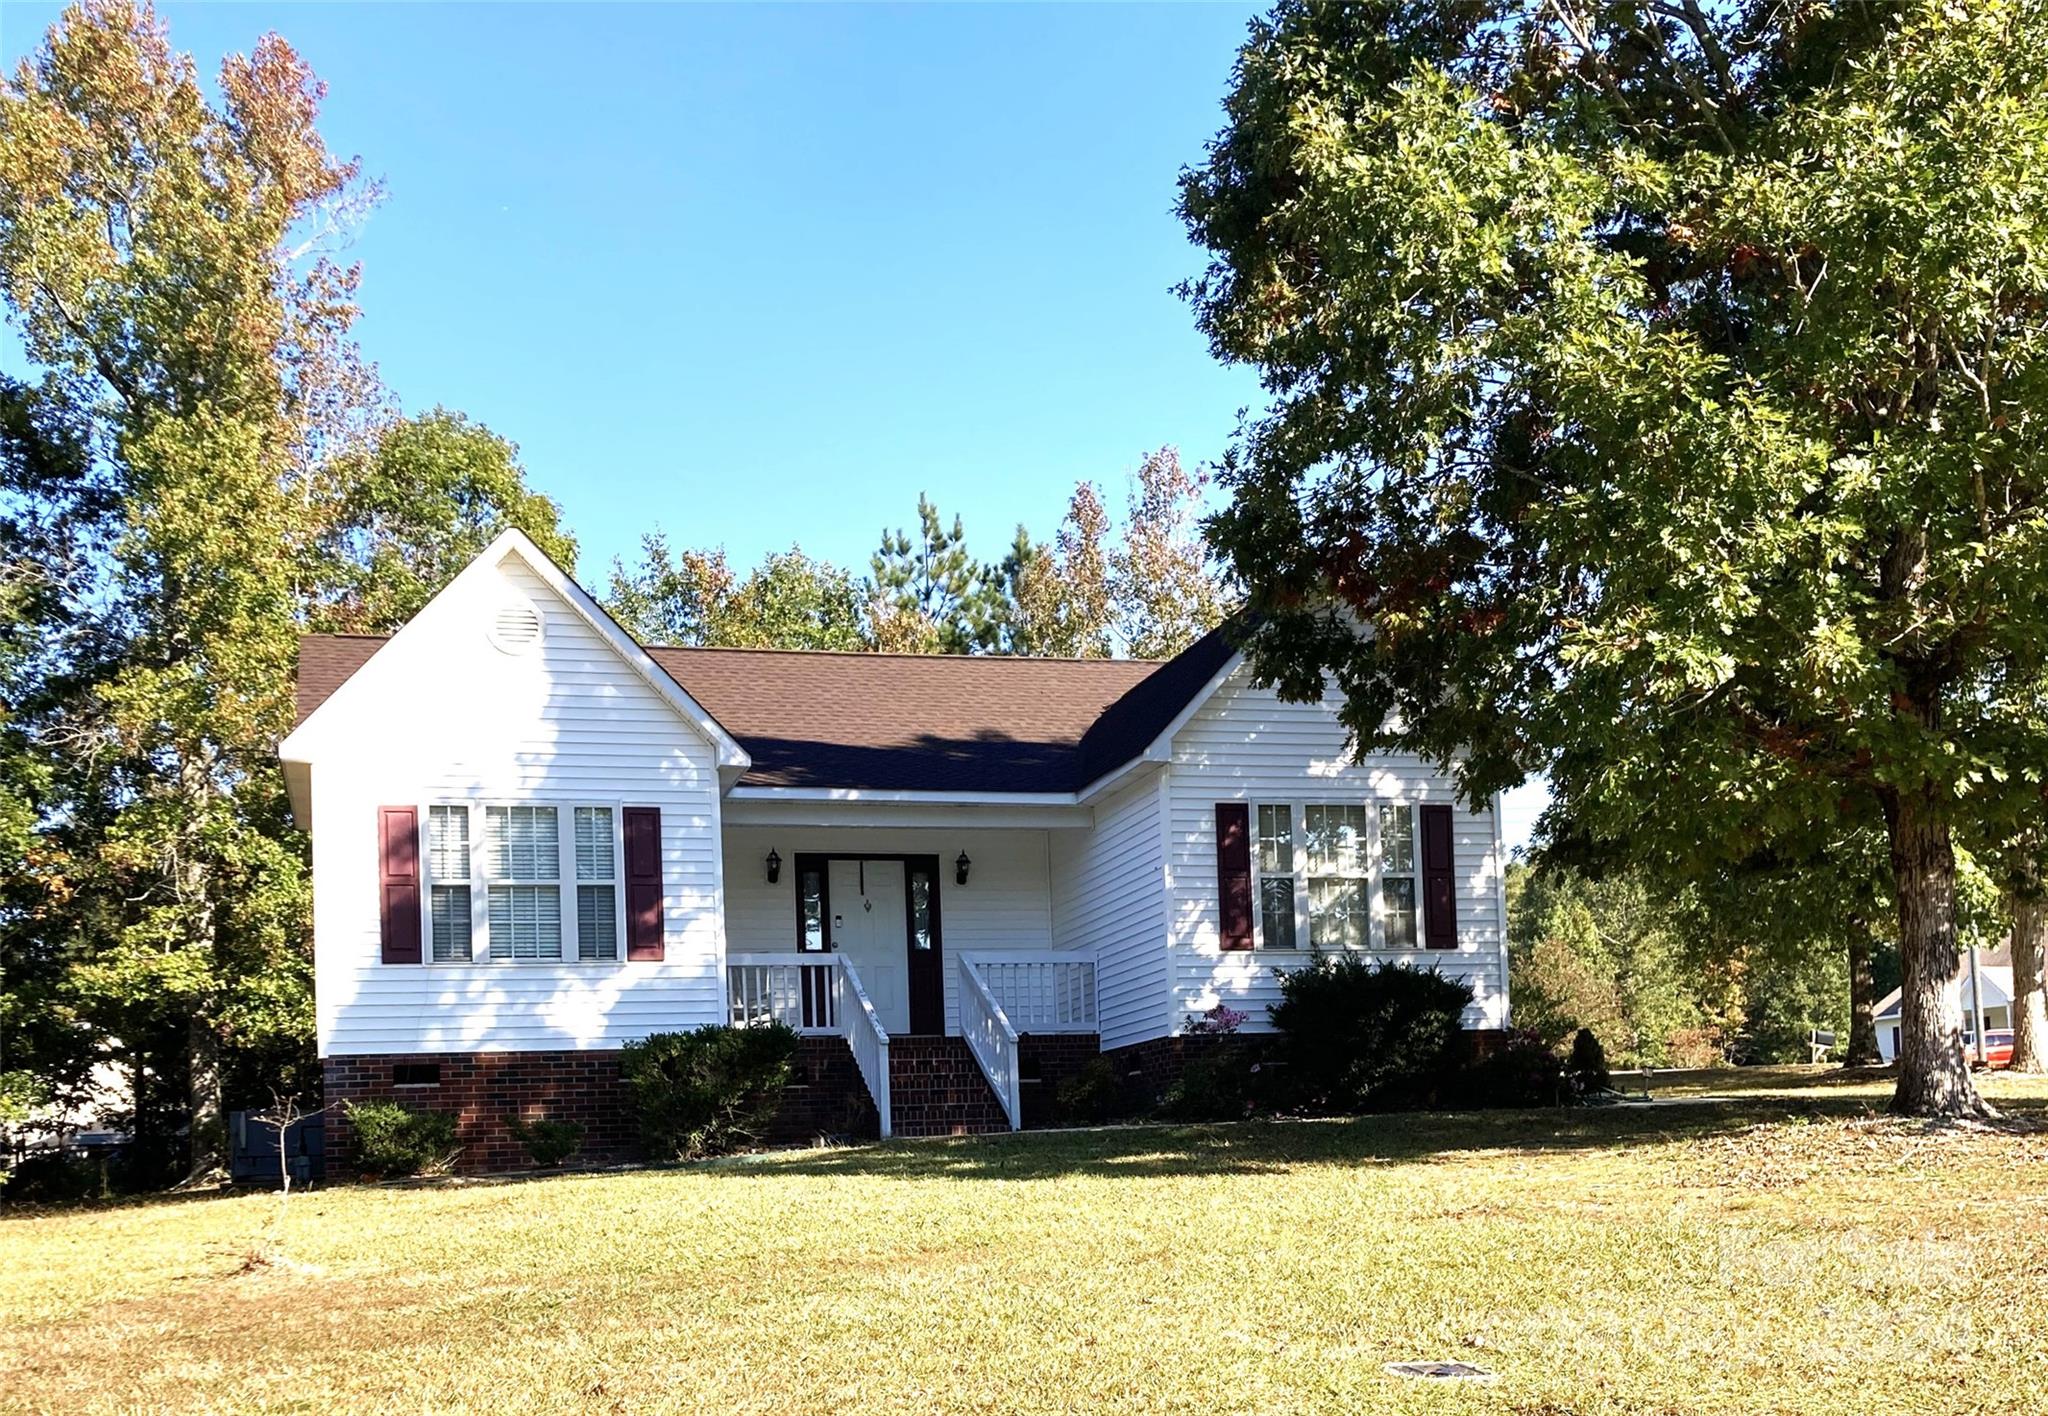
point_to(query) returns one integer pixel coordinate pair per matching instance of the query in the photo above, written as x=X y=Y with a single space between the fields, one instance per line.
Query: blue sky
x=762 y=274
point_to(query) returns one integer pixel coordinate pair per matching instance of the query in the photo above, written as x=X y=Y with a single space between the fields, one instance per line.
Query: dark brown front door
x=927 y=971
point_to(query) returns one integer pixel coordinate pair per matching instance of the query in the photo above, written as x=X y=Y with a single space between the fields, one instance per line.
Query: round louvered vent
x=516 y=628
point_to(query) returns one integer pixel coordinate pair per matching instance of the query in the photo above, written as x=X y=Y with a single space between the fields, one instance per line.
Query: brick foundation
x=1044 y=1060
x=481 y=1090
x=826 y=1098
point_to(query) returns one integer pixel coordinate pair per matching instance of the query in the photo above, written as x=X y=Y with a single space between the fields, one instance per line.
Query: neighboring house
x=535 y=840
x=1994 y=980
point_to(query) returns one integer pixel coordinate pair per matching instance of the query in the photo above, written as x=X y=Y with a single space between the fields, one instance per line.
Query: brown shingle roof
x=900 y=722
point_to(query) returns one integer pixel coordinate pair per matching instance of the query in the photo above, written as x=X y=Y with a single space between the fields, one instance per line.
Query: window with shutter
x=1234 y=874
x=641 y=828
x=1439 y=879
x=398 y=870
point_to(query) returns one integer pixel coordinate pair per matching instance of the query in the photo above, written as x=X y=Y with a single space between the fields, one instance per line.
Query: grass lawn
x=1774 y=1254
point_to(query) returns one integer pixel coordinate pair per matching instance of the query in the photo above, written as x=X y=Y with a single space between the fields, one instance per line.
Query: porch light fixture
x=774 y=866
x=960 y=869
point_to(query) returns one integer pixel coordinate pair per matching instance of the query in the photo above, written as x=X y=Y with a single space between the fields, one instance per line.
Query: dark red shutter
x=1439 y=880
x=398 y=875
x=1234 y=872
x=642 y=828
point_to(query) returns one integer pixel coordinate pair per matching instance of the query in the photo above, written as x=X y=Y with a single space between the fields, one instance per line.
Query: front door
x=868 y=927
x=882 y=914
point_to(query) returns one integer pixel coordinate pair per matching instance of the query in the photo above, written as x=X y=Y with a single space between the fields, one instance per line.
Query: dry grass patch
x=1766 y=1256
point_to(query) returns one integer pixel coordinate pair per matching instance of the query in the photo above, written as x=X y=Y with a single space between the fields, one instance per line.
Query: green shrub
x=547 y=1142
x=1090 y=1096
x=396 y=1140
x=1359 y=1036
x=1219 y=1084
x=708 y=1091
x=1521 y=1072
x=1587 y=1068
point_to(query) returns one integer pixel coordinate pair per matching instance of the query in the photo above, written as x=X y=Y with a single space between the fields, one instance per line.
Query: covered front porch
x=930 y=951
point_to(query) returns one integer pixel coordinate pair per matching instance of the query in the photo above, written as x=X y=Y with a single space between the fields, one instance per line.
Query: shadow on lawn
x=1256 y=1147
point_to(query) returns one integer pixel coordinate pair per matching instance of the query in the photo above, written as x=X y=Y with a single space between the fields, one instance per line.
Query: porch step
x=936 y=1088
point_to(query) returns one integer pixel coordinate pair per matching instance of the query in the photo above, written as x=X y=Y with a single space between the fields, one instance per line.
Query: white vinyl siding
x=1108 y=896
x=1246 y=745
x=570 y=723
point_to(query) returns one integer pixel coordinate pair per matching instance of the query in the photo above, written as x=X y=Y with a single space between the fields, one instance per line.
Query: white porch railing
x=991 y=1039
x=1006 y=994
x=818 y=995
x=1041 y=990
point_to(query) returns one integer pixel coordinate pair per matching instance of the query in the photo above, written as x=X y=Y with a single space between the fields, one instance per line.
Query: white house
x=535 y=840
x=1993 y=1000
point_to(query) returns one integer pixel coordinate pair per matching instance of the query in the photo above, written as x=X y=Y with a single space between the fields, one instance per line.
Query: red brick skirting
x=825 y=1098
x=1044 y=1060
x=480 y=1090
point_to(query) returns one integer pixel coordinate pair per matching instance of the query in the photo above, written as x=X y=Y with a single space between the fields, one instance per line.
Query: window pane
x=1336 y=840
x=811 y=901
x=526 y=922
x=1336 y=914
x=1398 y=893
x=449 y=909
x=522 y=842
x=1276 y=912
x=597 y=922
x=594 y=843
x=920 y=910
x=1276 y=840
x=448 y=842
x=1397 y=839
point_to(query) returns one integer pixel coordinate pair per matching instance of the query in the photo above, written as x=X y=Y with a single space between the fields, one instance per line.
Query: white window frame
x=1375 y=876
x=1296 y=815
x=1380 y=873
x=1368 y=807
x=481 y=954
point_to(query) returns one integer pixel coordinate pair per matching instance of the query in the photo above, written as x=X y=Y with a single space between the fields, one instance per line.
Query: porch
x=970 y=1078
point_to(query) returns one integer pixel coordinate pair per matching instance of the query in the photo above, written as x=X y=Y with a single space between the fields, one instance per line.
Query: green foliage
x=417 y=505
x=1221 y=1083
x=931 y=595
x=1586 y=1067
x=1364 y=1036
x=789 y=601
x=1091 y=1096
x=1664 y=390
x=1523 y=1071
x=547 y=1141
x=395 y=1140
x=202 y=468
x=708 y=1091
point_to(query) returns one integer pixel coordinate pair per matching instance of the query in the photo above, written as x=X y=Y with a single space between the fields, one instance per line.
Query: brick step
x=936 y=1088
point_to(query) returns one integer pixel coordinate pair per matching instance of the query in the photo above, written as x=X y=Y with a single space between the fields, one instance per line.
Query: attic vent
x=515 y=629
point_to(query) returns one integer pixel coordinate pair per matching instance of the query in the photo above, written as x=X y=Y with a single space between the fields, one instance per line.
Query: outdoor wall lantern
x=960 y=869
x=774 y=866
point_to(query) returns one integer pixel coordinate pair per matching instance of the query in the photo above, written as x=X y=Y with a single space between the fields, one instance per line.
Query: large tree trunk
x=209 y=1130
x=1862 y=1050
x=1934 y=1078
x=2029 y=991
